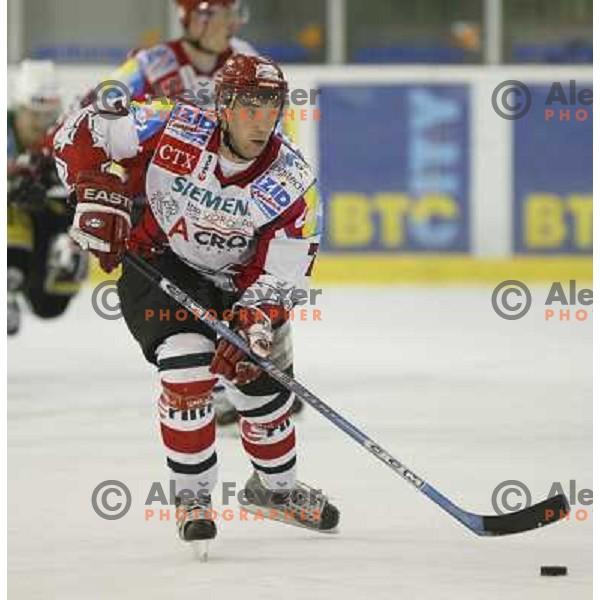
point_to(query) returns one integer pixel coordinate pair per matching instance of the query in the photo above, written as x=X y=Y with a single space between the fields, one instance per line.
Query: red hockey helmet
x=206 y=7
x=245 y=76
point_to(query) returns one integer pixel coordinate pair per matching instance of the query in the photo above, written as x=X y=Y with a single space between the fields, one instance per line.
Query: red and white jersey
x=257 y=228
x=166 y=70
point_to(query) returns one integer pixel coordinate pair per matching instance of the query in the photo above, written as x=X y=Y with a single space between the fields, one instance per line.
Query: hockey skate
x=302 y=507
x=194 y=523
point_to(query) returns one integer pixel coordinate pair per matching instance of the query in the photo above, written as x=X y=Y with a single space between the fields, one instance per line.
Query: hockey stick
x=538 y=515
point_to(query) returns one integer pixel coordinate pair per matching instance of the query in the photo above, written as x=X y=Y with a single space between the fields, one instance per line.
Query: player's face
x=215 y=33
x=252 y=121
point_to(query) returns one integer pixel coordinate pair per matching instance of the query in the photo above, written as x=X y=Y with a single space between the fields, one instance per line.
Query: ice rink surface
x=465 y=398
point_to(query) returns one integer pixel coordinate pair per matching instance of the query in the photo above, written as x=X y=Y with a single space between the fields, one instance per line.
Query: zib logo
x=271 y=195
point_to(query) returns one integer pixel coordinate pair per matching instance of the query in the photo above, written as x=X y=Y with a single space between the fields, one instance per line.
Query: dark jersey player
x=45 y=268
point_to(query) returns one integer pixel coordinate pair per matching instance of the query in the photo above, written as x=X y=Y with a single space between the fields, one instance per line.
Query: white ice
x=466 y=399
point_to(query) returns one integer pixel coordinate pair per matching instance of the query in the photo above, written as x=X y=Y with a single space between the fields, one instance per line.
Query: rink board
x=411 y=167
x=423 y=182
x=553 y=177
x=436 y=269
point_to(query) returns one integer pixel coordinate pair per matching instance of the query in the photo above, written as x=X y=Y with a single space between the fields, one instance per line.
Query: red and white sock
x=187 y=419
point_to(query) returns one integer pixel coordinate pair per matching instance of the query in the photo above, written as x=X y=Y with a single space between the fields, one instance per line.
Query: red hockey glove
x=102 y=220
x=254 y=324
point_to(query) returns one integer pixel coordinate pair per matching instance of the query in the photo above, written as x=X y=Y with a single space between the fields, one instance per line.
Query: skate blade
x=200 y=550
x=265 y=512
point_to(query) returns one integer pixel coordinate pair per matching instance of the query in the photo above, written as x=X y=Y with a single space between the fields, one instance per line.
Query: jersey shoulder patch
x=186 y=135
x=191 y=124
x=283 y=183
x=158 y=62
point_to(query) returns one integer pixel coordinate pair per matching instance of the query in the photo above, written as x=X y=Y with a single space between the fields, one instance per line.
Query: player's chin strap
x=549 y=511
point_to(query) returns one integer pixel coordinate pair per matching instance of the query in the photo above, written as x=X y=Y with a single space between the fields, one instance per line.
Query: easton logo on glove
x=104 y=196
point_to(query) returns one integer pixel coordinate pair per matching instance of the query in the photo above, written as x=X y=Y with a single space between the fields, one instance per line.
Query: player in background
x=44 y=265
x=228 y=220
x=189 y=63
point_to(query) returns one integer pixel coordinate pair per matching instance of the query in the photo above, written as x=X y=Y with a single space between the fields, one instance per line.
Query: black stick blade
x=541 y=514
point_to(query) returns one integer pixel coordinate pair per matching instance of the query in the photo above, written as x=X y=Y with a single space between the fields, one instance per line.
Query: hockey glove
x=25 y=191
x=102 y=220
x=255 y=326
x=29 y=178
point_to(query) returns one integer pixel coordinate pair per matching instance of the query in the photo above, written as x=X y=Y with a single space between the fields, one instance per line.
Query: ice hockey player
x=185 y=66
x=228 y=222
x=188 y=64
x=44 y=265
